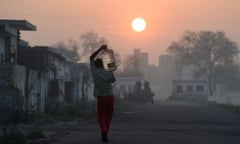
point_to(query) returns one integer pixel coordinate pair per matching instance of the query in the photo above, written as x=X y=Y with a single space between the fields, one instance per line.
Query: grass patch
x=13 y=137
x=85 y=110
x=226 y=106
x=122 y=105
x=68 y=112
x=35 y=134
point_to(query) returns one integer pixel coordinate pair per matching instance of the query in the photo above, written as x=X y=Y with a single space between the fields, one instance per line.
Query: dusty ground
x=163 y=122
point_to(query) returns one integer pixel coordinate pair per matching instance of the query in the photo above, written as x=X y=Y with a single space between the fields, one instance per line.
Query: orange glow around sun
x=138 y=24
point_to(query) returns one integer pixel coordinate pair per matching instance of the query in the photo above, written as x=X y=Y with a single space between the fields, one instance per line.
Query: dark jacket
x=102 y=81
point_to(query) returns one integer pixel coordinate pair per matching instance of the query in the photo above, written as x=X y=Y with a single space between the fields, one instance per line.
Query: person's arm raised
x=103 y=47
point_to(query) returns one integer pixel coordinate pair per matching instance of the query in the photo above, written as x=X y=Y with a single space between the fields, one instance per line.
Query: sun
x=138 y=24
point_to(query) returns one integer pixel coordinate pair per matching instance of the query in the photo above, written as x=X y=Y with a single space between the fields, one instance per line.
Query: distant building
x=10 y=38
x=82 y=88
x=125 y=85
x=36 y=78
x=13 y=79
x=150 y=72
x=190 y=90
x=142 y=58
x=44 y=59
x=167 y=73
x=153 y=77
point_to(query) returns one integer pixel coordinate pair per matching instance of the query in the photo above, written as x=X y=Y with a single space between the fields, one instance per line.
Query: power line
x=119 y=19
x=57 y=17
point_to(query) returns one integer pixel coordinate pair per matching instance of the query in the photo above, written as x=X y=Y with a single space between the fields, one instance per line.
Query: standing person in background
x=103 y=91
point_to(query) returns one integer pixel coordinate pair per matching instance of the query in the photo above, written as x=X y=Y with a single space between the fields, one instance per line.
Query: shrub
x=35 y=134
x=122 y=105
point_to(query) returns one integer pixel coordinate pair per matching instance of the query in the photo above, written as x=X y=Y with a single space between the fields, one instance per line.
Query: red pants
x=105 y=112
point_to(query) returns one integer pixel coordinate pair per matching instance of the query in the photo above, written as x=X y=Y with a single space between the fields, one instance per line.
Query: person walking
x=103 y=91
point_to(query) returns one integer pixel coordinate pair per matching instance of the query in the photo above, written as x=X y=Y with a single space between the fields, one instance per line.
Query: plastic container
x=109 y=60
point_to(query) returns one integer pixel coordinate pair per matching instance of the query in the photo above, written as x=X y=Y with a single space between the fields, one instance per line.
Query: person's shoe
x=104 y=137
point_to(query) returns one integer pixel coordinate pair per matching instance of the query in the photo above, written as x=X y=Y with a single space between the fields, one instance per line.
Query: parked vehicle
x=141 y=94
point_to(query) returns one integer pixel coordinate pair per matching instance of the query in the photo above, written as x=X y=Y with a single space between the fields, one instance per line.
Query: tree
x=69 y=50
x=79 y=50
x=90 y=41
x=76 y=51
x=208 y=52
x=229 y=76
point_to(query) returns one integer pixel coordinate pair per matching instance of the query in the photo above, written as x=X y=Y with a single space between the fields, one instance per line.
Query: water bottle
x=109 y=60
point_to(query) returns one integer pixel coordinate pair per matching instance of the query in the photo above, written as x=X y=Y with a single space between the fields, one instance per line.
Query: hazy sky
x=59 y=20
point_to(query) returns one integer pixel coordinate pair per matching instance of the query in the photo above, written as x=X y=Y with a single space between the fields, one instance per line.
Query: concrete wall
x=43 y=90
x=12 y=86
x=6 y=82
x=37 y=90
x=20 y=81
x=33 y=90
x=2 y=50
x=6 y=75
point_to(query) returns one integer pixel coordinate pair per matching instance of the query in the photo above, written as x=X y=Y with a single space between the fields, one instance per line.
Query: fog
x=166 y=21
x=177 y=81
